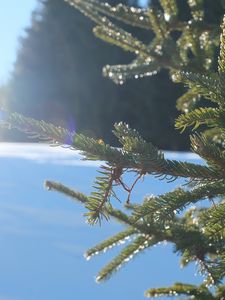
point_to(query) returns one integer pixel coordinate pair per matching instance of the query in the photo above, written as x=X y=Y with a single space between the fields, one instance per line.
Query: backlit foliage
x=198 y=235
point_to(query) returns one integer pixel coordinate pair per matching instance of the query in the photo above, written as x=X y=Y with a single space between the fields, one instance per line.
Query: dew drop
x=48 y=188
x=87 y=257
x=97 y=279
x=167 y=17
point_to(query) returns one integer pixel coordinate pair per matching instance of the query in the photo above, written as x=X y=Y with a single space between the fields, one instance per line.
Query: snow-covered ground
x=43 y=234
x=44 y=153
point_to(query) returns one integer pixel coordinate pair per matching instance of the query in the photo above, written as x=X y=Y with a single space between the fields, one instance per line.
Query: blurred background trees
x=58 y=77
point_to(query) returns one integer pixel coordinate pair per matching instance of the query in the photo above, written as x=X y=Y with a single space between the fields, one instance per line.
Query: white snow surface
x=44 y=153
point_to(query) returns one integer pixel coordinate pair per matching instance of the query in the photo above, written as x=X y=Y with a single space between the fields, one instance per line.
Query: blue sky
x=14 y=16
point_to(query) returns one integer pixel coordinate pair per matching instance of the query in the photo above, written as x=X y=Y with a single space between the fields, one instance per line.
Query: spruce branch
x=195 y=292
x=221 y=59
x=192 y=41
x=214 y=275
x=170 y=9
x=187 y=101
x=214 y=221
x=37 y=129
x=158 y=23
x=212 y=153
x=108 y=31
x=197 y=11
x=220 y=292
x=192 y=240
x=129 y=15
x=166 y=206
x=124 y=219
x=199 y=116
x=142 y=66
x=121 y=38
x=85 y=8
x=139 y=68
x=117 y=214
x=136 y=154
x=118 y=239
x=138 y=245
x=217 y=269
x=98 y=199
x=207 y=86
x=56 y=186
x=216 y=135
x=184 y=45
x=147 y=155
x=208 y=45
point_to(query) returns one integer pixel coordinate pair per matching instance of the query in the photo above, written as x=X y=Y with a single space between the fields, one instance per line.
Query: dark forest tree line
x=58 y=77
